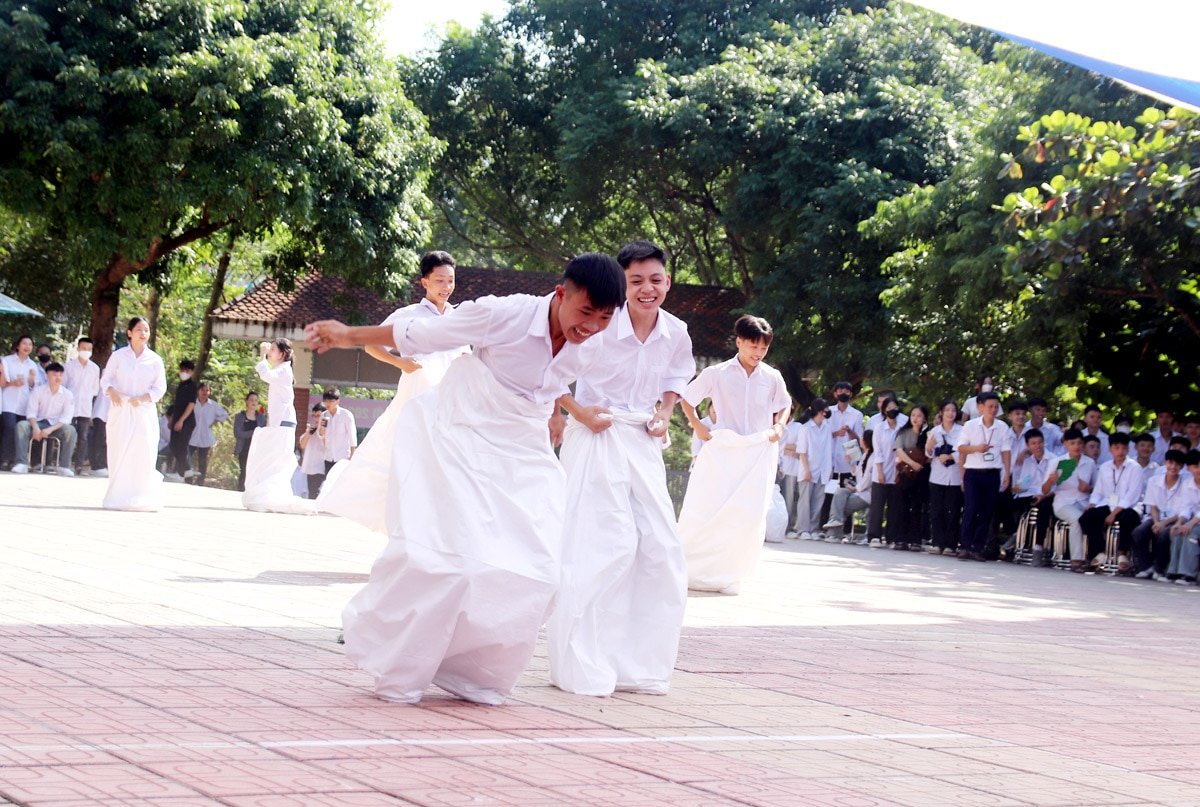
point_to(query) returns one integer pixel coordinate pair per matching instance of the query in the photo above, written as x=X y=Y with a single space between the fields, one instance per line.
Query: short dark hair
x=1180 y=440
x=986 y=396
x=432 y=260
x=1192 y=418
x=83 y=339
x=1090 y=438
x=1038 y=402
x=1192 y=457
x=1091 y=408
x=187 y=364
x=1176 y=455
x=44 y=345
x=54 y=367
x=1072 y=434
x=600 y=276
x=1117 y=439
x=843 y=385
x=756 y=329
x=641 y=251
x=318 y=407
x=1123 y=418
x=331 y=394
x=1034 y=434
x=1143 y=437
x=1017 y=405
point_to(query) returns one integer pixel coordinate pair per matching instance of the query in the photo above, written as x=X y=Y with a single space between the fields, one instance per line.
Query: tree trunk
x=106 y=300
x=214 y=299
x=153 y=307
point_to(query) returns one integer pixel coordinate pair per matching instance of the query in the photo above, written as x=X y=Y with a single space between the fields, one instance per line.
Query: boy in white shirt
x=1069 y=478
x=847 y=425
x=985 y=451
x=1185 y=551
x=1027 y=480
x=789 y=469
x=619 y=613
x=82 y=378
x=476 y=496
x=48 y=414
x=1051 y=433
x=339 y=433
x=1165 y=497
x=723 y=520
x=312 y=451
x=1114 y=500
x=1093 y=419
x=885 y=493
x=814 y=450
x=1162 y=431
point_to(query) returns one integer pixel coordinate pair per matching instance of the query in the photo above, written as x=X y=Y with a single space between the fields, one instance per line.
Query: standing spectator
x=18 y=375
x=48 y=414
x=847 y=425
x=99 y=435
x=985 y=452
x=1051 y=433
x=208 y=414
x=181 y=420
x=913 y=480
x=1163 y=431
x=44 y=355
x=312 y=451
x=82 y=378
x=789 y=468
x=984 y=383
x=1093 y=419
x=884 y=493
x=244 y=424
x=338 y=430
x=134 y=381
x=945 y=479
x=814 y=450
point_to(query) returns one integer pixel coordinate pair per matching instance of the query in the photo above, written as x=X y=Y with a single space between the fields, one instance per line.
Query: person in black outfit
x=244 y=424
x=181 y=421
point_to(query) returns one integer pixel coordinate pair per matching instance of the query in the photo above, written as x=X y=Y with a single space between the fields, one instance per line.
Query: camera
x=944 y=449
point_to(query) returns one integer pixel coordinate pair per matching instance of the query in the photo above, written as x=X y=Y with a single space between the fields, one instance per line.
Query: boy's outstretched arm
x=327 y=334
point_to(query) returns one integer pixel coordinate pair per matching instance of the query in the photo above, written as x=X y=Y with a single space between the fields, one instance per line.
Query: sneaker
x=1145 y=574
x=1183 y=581
x=190 y=474
x=100 y=472
x=20 y=468
x=81 y=472
x=875 y=542
x=831 y=524
x=792 y=534
x=65 y=472
x=963 y=554
x=806 y=536
x=862 y=542
x=173 y=477
x=934 y=550
x=833 y=539
x=1160 y=578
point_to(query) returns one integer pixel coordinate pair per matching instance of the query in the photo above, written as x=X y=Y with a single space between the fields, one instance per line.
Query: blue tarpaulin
x=1149 y=47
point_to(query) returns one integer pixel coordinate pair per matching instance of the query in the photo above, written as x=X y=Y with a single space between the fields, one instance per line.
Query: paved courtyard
x=189 y=658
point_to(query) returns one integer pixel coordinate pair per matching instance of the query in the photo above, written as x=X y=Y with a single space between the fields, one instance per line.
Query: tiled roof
x=708 y=310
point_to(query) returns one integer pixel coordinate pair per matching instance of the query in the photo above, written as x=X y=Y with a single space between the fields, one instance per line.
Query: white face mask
x=1123 y=429
x=84 y=355
x=985 y=388
x=184 y=376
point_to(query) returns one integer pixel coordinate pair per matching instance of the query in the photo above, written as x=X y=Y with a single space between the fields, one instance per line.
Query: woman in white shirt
x=945 y=480
x=18 y=375
x=134 y=380
x=271 y=463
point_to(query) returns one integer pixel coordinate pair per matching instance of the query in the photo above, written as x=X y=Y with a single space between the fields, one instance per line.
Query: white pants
x=1069 y=513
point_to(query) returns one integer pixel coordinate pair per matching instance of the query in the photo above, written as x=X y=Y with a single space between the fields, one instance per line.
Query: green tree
x=135 y=128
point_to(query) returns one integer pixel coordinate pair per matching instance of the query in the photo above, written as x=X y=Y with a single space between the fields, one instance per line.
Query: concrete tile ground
x=188 y=658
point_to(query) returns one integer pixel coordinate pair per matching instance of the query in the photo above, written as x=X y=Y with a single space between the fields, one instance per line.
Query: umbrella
x=1146 y=49
x=10 y=306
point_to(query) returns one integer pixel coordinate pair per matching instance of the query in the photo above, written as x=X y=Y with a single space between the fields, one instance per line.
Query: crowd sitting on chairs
x=998 y=483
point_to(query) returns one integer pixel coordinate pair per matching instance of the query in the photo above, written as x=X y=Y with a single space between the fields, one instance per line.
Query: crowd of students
x=960 y=482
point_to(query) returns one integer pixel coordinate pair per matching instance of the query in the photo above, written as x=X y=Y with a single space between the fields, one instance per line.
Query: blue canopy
x=10 y=306
x=1147 y=48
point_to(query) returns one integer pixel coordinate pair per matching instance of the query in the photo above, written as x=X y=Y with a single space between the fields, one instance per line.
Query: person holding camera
x=312 y=450
x=945 y=480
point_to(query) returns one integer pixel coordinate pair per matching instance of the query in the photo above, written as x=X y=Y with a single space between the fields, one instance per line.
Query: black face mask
x=827 y=413
x=844 y=397
x=891 y=414
x=44 y=359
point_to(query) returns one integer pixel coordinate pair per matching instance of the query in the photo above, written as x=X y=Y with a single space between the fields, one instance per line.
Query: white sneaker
x=806 y=536
x=20 y=468
x=1160 y=578
x=875 y=542
x=1146 y=574
x=65 y=472
x=100 y=472
x=173 y=477
x=1183 y=581
x=792 y=534
x=862 y=542
x=833 y=539
x=190 y=474
x=829 y=525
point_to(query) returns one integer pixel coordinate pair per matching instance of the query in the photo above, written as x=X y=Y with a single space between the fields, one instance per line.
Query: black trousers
x=945 y=515
x=179 y=448
x=99 y=447
x=1045 y=517
x=83 y=428
x=1092 y=522
x=202 y=463
x=981 y=489
x=883 y=497
x=1151 y=550
x=914 y=511
x=8 y=436
x=314 y=484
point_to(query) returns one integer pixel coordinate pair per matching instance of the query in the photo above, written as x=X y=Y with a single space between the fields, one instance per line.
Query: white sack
x=617 y=619
x=270 y=467
x=777 y=518
x=133 y=481
x=724 y=517
x=357 y=488
x=474 y=517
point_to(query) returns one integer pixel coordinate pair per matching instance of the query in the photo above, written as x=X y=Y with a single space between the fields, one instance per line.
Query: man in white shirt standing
x=985 y=451
x=208 y=414
x=82 y=378
x=619 y=613
x=338 y=430
x=1164 y=430
x=1051 y=433
x=1093 y=418
x=1114 y=499
x=48 y=414
x=885 y=493
x=846 y=423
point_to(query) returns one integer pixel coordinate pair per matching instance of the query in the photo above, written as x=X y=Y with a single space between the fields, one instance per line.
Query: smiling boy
x=475 y=502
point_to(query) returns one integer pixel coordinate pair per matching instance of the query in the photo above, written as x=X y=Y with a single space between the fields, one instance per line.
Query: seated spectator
x=1028 y=476
x=1114 y=500
x=49 y=412
x=1143 y=444
x=1091 y=447
x=1165 y=498
x=1069 y=478
x=1191 y=430
x=1093 y=420
x=1051 y=433
x=854 y=494
x=1184 y=537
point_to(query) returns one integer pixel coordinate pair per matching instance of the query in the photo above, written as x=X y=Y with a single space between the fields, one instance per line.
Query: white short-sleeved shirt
x=281 y=398
x=632 y=375
x=56 y=407
x=1169 y=501
x=83 y=380
x=1051 y=436
x=884 y=442
x=1161 y=445
x=945 y=475
x=790 y=466
x=971 y=408
x=341 y=434
x=15 y=398
x=1118 y=486
x=1191 y=497
x=133 y=375
x=208 y=414
x=998 y=435
x=816 y=443
x=1067 y=491
x=511 y=336
x=424 y=309
x=1027 y=478
x=745 y=404
x=838 y=418
x=312 y=457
